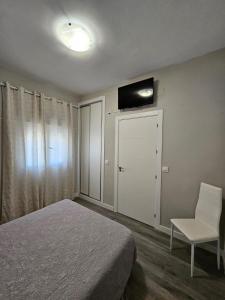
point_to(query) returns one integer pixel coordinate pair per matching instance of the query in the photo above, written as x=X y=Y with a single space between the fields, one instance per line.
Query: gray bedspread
x=64 y=251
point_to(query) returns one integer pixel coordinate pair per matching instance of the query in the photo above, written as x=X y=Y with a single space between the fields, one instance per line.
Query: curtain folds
x=38 y=139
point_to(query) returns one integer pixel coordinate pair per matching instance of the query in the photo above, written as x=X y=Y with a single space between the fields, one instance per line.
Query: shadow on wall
x=222 y=226
x=156 y=93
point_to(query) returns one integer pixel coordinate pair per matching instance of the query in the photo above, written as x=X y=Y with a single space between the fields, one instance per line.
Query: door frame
x=159 y=114
x=82 y=104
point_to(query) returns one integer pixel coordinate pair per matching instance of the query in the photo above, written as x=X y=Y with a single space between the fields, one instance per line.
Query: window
x=49 y=148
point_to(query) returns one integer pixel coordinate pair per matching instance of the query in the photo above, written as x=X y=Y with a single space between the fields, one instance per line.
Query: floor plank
x=160 y=275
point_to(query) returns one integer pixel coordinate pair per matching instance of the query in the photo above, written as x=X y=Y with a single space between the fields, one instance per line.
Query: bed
x=65 y=251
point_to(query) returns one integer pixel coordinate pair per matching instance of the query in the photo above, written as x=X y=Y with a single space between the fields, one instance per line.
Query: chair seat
x=195 y=230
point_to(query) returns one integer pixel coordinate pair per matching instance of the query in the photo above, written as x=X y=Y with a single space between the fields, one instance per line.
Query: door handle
x=121 y=169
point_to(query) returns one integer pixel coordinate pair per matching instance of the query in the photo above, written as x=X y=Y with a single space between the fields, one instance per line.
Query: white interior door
x=95 y=150
x=137 y=167
x=84 y=149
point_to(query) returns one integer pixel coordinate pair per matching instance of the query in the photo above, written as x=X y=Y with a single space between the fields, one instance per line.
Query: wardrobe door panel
x=95 y=150
x=84 y=149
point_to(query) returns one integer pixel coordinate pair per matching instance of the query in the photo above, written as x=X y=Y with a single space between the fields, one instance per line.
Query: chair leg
x=218 y=254
x=171 y=237
x=192 y=259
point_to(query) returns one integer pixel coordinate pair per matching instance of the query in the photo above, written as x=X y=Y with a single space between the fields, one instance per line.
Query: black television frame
x=128 y=95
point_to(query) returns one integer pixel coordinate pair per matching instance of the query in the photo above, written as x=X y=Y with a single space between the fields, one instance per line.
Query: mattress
x=64 y=251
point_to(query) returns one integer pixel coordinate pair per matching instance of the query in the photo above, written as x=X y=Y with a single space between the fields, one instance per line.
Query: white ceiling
x=133 y=37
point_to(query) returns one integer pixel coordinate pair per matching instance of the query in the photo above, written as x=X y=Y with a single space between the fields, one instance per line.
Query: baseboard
x=176 y=234
x=93 y=201
x=209 y=248
x=181 y=237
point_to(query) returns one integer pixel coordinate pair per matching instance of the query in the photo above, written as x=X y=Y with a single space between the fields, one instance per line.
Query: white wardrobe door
x=84 y=149
x=95 y=151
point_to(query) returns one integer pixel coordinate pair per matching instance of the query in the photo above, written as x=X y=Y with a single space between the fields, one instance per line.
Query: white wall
x=20 y=79
x=192 y=96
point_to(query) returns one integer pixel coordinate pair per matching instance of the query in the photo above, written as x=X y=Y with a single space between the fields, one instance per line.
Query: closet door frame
x=82 y=104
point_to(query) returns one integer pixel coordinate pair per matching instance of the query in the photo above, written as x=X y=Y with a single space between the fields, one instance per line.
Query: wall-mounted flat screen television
x=136 y=94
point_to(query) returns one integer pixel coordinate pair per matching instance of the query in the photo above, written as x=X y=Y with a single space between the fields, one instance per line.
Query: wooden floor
x=158 y=274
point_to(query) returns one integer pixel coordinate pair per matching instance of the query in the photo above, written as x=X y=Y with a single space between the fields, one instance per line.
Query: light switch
x=165 y=169
x=106 y=162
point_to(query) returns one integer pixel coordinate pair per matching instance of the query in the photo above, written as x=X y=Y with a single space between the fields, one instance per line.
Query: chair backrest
x=209 y=206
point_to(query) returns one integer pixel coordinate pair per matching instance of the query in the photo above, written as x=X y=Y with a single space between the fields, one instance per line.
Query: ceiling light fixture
x=75 y=37
x=145 y=93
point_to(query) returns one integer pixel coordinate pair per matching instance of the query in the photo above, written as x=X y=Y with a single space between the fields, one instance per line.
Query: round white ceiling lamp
x=76 y=37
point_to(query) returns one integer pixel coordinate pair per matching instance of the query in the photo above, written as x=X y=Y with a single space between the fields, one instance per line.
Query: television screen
x=136 y=94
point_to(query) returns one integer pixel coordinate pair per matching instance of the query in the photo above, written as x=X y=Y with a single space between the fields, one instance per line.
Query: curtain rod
x=2 y=83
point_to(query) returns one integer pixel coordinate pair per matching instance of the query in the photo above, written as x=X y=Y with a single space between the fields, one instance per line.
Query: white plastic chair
x=205 y=226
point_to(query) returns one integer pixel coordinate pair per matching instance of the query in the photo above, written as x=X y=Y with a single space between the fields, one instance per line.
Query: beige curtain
x=37 y=152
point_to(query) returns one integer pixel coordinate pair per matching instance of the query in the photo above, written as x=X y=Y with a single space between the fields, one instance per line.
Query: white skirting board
x=99 y=203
